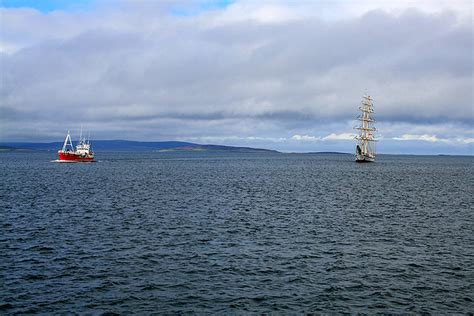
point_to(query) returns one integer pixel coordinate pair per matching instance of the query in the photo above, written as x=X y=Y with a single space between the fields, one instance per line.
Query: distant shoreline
x=134 y=146
x=172 y=147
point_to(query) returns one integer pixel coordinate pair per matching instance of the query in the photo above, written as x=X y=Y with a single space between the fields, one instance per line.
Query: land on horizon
x=129 y=146
x=173 y=146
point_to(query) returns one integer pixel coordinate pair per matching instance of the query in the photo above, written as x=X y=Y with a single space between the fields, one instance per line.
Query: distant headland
x=135 y=146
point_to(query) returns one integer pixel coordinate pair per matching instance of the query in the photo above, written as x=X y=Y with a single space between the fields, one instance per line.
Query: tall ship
x=82 y=152
x=365 y=149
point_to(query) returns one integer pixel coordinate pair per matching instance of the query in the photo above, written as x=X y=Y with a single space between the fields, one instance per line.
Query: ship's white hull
x=364 y=158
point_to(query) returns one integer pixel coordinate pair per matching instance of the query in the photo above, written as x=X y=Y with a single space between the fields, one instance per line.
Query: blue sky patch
x=205 y=6
x=46 y=5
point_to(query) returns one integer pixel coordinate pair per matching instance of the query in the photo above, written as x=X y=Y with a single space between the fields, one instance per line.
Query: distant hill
x=327 y=153
x=7 y=148
x=196 y=147
x=134 y=146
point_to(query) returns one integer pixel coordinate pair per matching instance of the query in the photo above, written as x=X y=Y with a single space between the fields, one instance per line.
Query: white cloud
x=434 y=139
x=330 y=137
x=305 y=138
x=278 y=11
x=465 y=140
x=343 y=136
x=426 y=138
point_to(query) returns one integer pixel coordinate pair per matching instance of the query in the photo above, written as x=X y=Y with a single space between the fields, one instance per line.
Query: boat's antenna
x=88 y=137
x=80 y=137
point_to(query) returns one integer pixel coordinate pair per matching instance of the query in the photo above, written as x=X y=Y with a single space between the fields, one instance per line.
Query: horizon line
x=5 y=143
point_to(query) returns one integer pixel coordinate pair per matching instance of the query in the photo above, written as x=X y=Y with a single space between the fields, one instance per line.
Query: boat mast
x=365 y=128
x=80 y=136
x=67 y=142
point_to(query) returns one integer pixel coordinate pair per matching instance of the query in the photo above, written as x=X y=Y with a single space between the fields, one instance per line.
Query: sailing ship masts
x=365 y=138
x=369 y=119
x=366 y=109
x=361 y=128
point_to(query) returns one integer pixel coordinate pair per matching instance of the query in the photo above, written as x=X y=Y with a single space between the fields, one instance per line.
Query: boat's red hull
x=72 y=157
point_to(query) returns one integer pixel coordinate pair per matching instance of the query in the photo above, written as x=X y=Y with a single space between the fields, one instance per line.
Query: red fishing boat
x=82 y=153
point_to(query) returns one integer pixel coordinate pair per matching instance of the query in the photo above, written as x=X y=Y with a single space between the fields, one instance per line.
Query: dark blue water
x=236 y=233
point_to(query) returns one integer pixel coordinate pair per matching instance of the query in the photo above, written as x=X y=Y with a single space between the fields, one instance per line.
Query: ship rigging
x=365 y=148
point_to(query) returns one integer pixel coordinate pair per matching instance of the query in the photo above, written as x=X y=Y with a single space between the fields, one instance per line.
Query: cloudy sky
x=285 y=75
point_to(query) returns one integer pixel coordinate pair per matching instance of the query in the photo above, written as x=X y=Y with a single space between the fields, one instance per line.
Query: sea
x=236 y=233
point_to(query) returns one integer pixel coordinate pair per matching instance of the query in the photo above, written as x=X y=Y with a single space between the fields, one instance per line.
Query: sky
x=277 y=74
